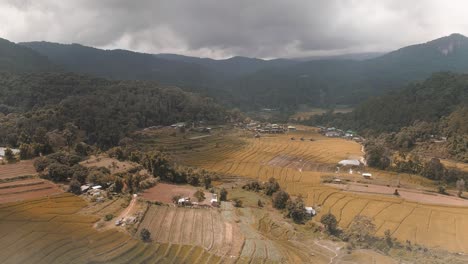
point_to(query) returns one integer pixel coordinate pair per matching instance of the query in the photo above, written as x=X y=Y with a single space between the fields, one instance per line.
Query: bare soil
x=163 y=192
x=114 y=165
x=413 y=195
x=27 y=189
x=17 y=169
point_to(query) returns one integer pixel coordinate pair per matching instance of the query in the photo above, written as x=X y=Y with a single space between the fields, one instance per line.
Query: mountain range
x=251 y=83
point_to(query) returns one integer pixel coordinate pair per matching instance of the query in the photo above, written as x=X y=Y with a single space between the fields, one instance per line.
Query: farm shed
x=2 y=151
x=214 y=200
x=350 y=163
x=310 y=210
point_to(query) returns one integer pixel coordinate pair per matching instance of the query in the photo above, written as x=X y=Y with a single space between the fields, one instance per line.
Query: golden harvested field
x=430 y=225
x=278 y=156
x=50 y=230
x=298 y=166
x=198 y=227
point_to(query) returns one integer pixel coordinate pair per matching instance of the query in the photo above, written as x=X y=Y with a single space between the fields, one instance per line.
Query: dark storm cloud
x=217 y=28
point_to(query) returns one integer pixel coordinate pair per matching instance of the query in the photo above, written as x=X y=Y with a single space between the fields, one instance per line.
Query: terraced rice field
x=430 y=225
x=279 y=156
x=230 y=233
x=199 y=227
x=50 y=230
x=18 y=190
x=22 y=168
x=298 y=166
x=17 y=183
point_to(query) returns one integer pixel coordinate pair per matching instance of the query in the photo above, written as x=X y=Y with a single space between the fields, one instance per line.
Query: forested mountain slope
x=104 y=111
x=16 y=58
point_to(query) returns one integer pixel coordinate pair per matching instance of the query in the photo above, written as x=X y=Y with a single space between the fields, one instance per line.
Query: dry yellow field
x=298 y=166
x=50 y=230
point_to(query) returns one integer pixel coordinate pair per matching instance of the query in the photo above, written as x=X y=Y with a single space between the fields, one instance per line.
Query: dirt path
x=334 y=251
x=130 y=208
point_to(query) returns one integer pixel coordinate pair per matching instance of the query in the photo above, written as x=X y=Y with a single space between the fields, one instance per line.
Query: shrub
x=200 y=195
x=260 y=203
x=82 y=149
x=441 y=189
x=223 y=194
x=175 y=198
x=280 y=199
x=145 y=235
x=9 y=156
x=460 y=187
x=271 y=186
x=252 y=186
x=296 y=210
x=207 y=181
x=330 y=223
x=108 y=217
x=148 y=183
x=118 y=185
x=41 y=163
x=74 y=187
x=361 y=229
x=59 y=172
x=237 y=202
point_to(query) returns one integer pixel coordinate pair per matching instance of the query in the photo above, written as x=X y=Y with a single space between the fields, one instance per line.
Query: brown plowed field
x=22 y=168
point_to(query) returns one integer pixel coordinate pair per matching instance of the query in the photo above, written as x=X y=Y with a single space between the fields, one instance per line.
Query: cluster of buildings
x=268 y=128
x=335 y=132
x=186 y=201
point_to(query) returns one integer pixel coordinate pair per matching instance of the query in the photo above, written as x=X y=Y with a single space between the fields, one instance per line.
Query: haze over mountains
x=249 y=82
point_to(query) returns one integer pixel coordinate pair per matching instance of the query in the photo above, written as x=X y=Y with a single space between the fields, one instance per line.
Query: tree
x=296 y=209
x=388 y=238
x=260 y=203
x=433 y=169
x=9 y=156
x=41 y=163
x=145 y=235
x=377 y=156
x=237 y=202
x=82 y=149
x=361 y=228
x=200 y=195
x=223 y=194
x=330 y=223
x=74 y=187
x=271 y=186
x=118 y=185
x=460 y=187
x=59 y=172
x=279 y=199
x=207 y=181
x=26 y=151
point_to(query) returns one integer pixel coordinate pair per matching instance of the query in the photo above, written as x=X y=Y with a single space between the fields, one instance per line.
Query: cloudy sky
x=223 y=28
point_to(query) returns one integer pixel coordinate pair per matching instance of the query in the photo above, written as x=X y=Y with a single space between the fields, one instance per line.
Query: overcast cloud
x=223 y=28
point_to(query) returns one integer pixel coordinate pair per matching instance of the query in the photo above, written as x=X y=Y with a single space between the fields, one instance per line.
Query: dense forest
x=60 y=108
